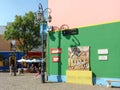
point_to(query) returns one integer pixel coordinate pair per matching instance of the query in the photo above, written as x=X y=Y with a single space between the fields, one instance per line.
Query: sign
x=103 y=57
x=43 y=28
x=102 y=51
x=55 y=59
x=70 y=32
x=55 y=50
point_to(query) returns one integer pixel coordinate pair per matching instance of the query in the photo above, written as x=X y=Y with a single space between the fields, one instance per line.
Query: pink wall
x=83 y=12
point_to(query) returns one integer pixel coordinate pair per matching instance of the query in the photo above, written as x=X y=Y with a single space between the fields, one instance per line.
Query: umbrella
x=36 y=60
x=21 y=60
x=29 y=60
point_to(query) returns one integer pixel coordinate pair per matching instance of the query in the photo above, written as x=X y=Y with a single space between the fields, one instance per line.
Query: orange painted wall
x=83 y=12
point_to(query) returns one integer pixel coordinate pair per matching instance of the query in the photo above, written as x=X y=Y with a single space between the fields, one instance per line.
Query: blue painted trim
x=56 y=78
x=103 y=81
x=96 y=81
x=4 y=68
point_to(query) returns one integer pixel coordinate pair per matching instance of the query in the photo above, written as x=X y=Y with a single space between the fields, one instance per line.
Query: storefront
x=5 y=56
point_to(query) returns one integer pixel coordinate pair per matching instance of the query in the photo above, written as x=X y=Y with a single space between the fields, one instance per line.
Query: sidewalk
x=29 y=82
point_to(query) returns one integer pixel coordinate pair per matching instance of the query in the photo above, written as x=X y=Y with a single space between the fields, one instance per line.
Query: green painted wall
x=104 y=36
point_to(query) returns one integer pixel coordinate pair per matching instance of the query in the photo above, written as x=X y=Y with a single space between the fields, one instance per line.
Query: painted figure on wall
x=78 y=58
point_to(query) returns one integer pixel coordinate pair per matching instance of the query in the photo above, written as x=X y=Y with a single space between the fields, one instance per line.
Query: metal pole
x=14 y=55
x=43 y=24
x=42 y=64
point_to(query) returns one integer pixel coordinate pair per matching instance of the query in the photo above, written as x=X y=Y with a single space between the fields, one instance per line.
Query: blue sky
x=10 y=8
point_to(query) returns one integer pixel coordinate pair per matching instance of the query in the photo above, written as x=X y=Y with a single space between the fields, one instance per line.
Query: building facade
x=81 y=48
x=4 y=45
x=83 y=12
x=92 y=49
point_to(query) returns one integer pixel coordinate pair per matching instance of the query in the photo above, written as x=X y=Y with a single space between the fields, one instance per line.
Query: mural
x=78 y=58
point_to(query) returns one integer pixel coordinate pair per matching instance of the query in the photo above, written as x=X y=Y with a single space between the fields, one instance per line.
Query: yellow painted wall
x=79 y=77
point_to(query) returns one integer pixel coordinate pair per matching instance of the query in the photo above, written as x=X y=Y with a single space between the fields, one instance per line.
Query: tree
x=25 y=31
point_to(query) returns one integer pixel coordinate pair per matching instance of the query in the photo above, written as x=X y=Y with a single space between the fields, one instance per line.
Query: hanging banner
x=43 y=29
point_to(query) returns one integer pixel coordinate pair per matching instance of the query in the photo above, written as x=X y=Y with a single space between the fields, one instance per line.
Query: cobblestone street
x=29 y=82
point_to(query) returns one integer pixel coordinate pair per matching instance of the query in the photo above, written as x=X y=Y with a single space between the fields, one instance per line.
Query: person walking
x=12 y=65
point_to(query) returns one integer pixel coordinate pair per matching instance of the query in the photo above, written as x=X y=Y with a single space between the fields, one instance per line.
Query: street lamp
x=43 y=21
x=13 y=58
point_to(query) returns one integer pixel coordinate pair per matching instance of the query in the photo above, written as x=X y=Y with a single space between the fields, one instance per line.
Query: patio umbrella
x=21 y=60
x=28 y=60
x=35 y=60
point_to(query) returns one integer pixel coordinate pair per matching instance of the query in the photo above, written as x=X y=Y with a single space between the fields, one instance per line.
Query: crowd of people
x=30 y=67
x=25 y=67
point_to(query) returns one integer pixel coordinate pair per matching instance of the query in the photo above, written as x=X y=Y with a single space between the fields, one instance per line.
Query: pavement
x=28 y=81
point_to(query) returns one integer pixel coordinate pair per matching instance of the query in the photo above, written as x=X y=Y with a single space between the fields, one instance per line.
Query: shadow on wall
x=94 y=78
x=51 y=35
x=59 y=63
x=75 y=41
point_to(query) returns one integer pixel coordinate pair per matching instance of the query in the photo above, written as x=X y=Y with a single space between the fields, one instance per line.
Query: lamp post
x=13 y=59
x=43 y=21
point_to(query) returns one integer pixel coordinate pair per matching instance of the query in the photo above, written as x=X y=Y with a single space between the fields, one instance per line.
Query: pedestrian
x=12 y=65
x=37 y=74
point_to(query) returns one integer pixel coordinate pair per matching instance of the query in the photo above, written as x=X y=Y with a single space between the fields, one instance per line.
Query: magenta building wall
x=77 y=13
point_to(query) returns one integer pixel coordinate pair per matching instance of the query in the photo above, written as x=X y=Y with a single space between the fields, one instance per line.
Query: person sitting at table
x=22 y=68
x=32 y=68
